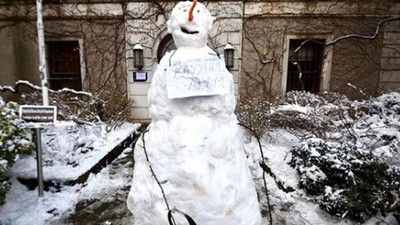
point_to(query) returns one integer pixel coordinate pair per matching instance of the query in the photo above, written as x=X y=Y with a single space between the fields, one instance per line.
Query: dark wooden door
x=64 y=65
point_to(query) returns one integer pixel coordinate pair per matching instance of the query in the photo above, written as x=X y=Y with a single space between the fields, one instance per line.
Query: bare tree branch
x=377 y=30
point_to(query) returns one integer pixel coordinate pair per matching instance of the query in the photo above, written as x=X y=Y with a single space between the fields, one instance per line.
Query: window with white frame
x=305 y=65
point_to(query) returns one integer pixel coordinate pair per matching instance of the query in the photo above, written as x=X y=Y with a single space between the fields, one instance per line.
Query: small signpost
x=37 y=117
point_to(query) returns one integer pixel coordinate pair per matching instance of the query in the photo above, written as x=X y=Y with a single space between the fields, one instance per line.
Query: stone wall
x=18 y=54
x=390 y=62
x=352 y=66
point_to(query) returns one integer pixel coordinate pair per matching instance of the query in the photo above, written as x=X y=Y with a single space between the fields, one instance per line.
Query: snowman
x=193 y=145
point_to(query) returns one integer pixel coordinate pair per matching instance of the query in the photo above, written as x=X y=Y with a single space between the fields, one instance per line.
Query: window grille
x=305 y=65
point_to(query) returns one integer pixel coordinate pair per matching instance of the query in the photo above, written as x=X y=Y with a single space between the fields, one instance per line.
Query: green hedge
x=346 y=180
x=13 y=142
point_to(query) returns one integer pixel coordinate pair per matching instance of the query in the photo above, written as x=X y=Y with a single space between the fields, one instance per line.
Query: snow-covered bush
x=13 y=141
x=357 y=175
x=107 y=105
x=346 y=180
x=349 y=156
x=254 y=114
x=378 y=126
x=321 y=115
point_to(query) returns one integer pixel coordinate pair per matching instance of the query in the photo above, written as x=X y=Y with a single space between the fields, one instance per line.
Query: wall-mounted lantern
x=138 y=56
x=229 y=52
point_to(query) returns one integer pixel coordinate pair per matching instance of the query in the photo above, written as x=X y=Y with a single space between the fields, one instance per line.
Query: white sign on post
x=38 y=115
x=196 y=77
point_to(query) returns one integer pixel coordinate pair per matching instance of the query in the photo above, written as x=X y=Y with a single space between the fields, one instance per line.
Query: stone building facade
x=85 y=45
x=353 y=59
x=279 y=45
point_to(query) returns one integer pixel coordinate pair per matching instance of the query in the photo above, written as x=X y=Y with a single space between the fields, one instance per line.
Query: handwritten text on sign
x=200 y=77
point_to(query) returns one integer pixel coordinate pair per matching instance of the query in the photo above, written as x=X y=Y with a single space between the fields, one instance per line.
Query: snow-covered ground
x=24 y=207
x=288 y=208
x=68 y=152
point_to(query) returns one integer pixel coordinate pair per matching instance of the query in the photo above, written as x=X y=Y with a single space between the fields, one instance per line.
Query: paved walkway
x=111 y=207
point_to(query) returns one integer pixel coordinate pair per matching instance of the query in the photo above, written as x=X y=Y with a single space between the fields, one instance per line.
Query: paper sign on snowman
x=189 y=78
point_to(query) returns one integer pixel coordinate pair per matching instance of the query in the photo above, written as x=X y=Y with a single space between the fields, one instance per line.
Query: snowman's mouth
x=184 y=30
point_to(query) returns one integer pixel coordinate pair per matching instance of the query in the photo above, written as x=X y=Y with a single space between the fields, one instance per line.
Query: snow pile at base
x=70 y=150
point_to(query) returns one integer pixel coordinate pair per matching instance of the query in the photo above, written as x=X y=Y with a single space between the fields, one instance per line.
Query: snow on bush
x=356 y=175
x=345 y=180
x=322 y=116
x=108 y=105
x=378 y=126
x=13 y=142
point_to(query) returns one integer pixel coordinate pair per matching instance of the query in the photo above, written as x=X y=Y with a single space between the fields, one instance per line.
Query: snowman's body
x=194 y=146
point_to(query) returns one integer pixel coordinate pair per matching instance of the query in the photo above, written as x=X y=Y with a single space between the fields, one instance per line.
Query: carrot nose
x=191 y=11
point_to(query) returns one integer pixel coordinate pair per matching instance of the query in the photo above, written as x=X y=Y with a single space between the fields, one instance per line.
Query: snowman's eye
x=198 y=11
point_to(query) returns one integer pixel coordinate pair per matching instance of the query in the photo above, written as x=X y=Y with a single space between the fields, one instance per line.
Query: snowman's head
x=189 y=24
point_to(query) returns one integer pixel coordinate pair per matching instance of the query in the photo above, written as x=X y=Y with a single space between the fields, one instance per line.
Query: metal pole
x=45 y=91
x=39 y=160
x=42 y=53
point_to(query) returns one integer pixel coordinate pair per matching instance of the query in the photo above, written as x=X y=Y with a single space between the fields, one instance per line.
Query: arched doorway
x=167 y=44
